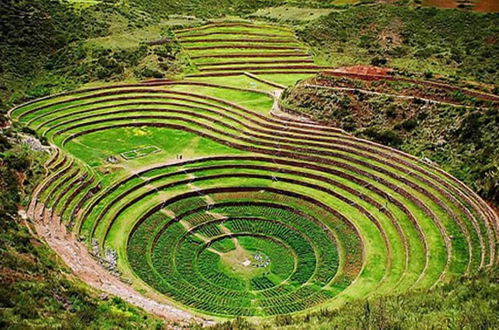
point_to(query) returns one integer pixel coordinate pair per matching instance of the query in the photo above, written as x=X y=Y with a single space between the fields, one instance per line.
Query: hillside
x=452 y=128
x=467 y=303
x=38 y=290
x=248 y=164
x=457 y=44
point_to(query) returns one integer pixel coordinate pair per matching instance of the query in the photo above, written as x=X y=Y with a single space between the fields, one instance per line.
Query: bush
x=379 y=61
x=384 y=136
x=4 y=143
x=409 y=124
x=470 y=129
x=149 y=73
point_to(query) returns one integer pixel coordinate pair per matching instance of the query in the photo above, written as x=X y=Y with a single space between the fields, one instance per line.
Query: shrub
x=149 y=73
x=379 y=61
x=409 y=124
x=384 y=136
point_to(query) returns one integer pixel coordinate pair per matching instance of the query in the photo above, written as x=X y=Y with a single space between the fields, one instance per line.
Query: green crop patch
x=244 y=47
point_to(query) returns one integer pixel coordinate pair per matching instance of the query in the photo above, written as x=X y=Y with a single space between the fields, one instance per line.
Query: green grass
x=232 y=46
x=224 y=51
x=237 y=44
x=241 y=81
x=243 y=60
x=95 y=148
x=251 y=100
x=237 y=30
x=333 y=218
x=286 y=80
x=229 y=264
x=128 y=39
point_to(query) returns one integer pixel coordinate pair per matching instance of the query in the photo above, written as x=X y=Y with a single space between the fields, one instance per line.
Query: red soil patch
x=491 y=40
x=488 y=6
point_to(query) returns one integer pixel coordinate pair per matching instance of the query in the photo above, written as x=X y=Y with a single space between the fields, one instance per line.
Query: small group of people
x=179 y=156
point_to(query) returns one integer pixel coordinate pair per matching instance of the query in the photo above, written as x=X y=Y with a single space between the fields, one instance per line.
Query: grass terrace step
x=252 y=61
x=272 y=55
x=243 y=48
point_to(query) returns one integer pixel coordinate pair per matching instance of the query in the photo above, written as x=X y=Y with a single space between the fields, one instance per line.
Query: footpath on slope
x=76 y=256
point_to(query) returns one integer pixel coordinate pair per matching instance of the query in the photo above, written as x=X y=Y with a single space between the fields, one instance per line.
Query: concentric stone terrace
x=216 y=200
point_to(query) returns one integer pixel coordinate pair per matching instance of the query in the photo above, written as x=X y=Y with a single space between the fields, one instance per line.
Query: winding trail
x=76 y=256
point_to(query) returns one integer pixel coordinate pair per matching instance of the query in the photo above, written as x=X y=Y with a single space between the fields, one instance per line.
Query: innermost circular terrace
x=244 y=263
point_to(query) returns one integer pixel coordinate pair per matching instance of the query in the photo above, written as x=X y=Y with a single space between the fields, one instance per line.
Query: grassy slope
x=37 y=290
x=450 y=42
x=59 y=47
x=96 y=147
x=204 y=8
x=467 y=303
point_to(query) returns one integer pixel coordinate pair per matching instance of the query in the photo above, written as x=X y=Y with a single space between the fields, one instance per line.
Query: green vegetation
x=178 y=159
x=177 y=210
x=58 y=47
x=449 y=127
x=454 y=43
x=37 y=290
x=286 y=13
x=203 y=8
x=466 y=303
x=96 y=148
x=269 y=261
x=238 y=47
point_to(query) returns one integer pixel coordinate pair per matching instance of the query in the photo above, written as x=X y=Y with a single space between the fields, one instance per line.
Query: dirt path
x=406 y=97
x=374 y=73
x=289 y=117
x=86 y=268
x=278 y=113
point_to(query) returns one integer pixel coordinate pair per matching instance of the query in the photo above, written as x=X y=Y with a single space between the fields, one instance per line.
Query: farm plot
x=221 y=49
x=241 y=212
